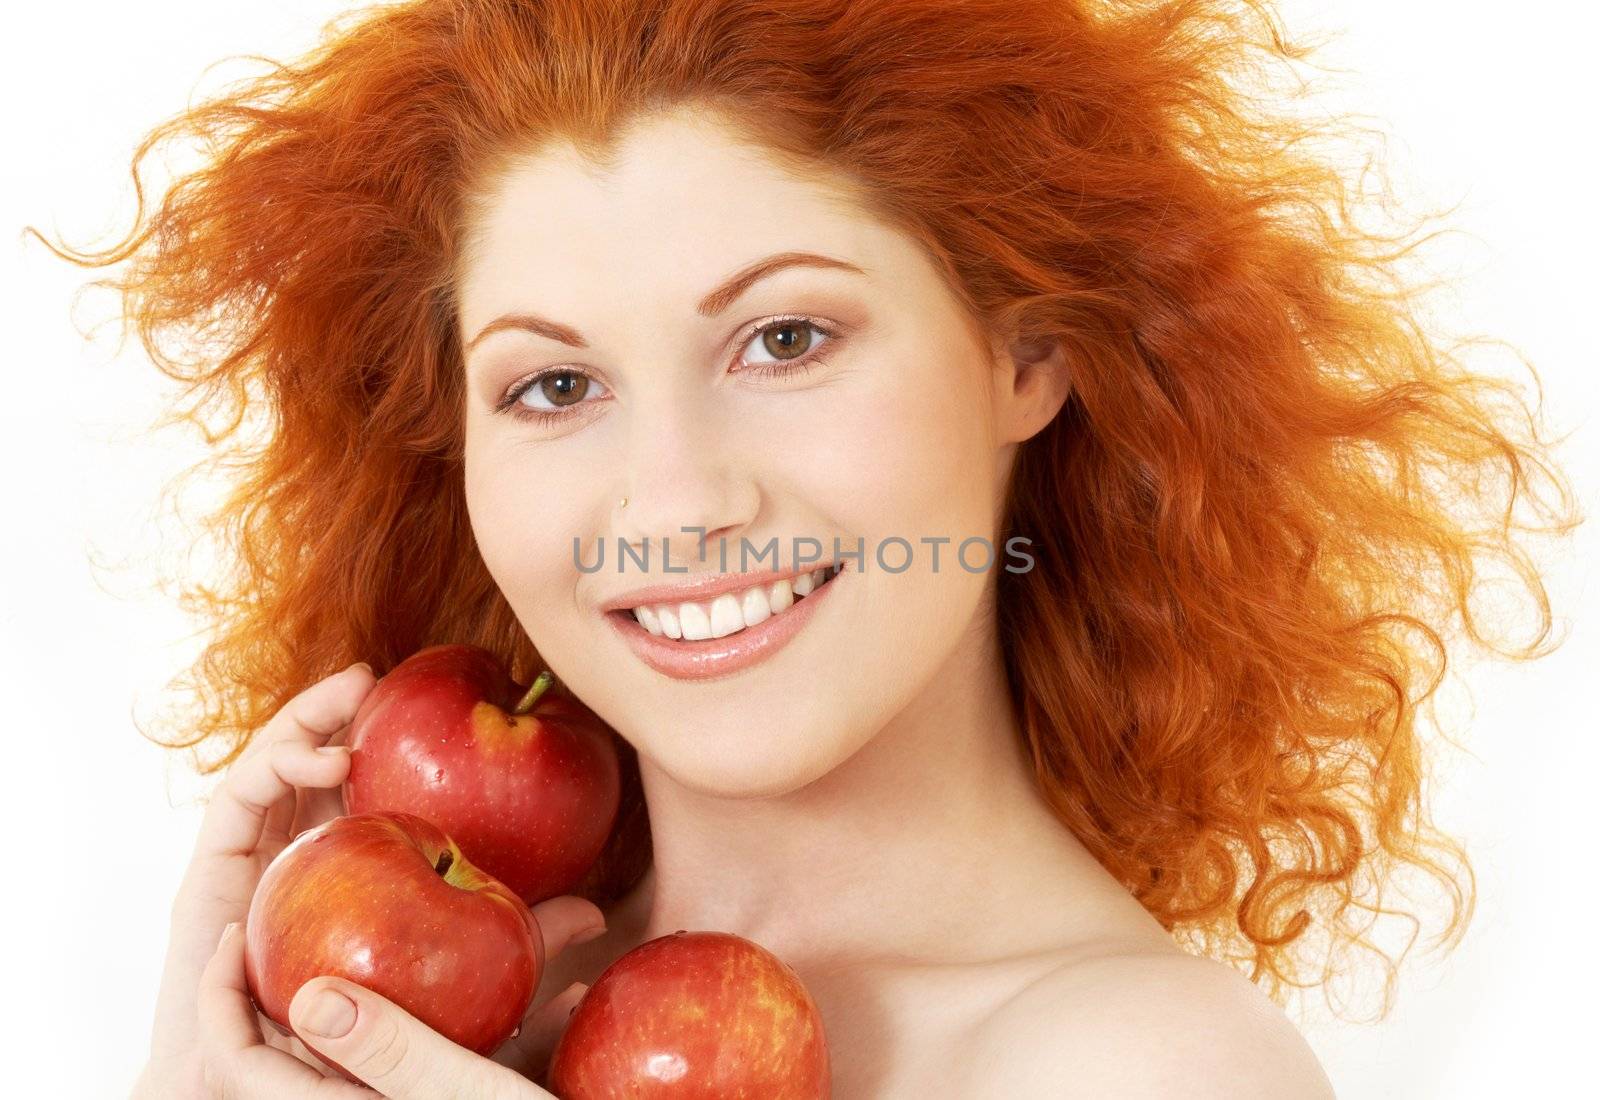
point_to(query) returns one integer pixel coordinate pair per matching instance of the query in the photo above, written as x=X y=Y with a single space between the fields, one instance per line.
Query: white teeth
x=781 y=596
x=725 y=615
x=669 y=622
x=695 y=622
x=730 y=612
x=754 y=608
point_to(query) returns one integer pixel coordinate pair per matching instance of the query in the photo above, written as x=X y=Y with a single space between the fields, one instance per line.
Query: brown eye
x=564 y=387
x=787 y=339
x=787 y=343
x=550 y=394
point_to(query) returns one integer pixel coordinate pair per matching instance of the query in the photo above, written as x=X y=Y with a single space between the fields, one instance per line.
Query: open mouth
x=730 y=613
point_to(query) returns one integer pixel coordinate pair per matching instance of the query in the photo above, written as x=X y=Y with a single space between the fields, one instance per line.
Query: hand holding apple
x=694 y=1016
x=525 y=782
x=289 y=776
x=389 y=902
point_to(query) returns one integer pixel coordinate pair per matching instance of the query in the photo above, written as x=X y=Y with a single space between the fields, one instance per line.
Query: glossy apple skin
x=360 y=897
x=694 y=1016
x=529 y=798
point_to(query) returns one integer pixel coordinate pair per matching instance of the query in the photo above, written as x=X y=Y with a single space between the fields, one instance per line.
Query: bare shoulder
x=1144 y=1025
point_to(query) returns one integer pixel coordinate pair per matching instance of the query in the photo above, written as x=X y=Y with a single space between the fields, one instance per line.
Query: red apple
x=694 y=1016
x=387 y=901
x=525 y=781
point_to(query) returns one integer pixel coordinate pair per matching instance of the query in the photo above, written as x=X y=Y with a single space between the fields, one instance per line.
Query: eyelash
x=509 y=404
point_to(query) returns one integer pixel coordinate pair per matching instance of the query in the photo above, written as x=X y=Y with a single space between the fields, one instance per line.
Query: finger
x=237 y=1061
x=318 y=805
x=234 y=820
x=529 y=1052
x=282 y=723
x=373 y=1039
x=310 y=807
x=566 y=921
x=287 y=1042
x=280 y=819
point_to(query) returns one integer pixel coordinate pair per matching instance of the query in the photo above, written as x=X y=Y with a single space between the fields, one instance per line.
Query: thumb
x=371 y=1039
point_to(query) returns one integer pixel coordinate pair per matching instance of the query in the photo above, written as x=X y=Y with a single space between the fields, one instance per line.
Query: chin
x=753 y=761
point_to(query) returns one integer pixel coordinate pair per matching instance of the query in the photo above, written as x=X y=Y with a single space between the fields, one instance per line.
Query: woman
x=516 y=280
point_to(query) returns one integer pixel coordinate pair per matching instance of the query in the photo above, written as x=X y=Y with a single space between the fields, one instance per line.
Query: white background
x=1490 y=106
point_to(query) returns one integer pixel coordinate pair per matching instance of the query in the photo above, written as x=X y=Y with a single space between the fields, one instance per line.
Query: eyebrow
x=711 y=305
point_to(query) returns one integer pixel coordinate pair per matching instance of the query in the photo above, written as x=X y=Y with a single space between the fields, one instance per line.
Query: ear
x=1032 y=381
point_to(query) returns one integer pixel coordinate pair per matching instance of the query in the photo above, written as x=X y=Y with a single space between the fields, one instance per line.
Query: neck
x=930 y=843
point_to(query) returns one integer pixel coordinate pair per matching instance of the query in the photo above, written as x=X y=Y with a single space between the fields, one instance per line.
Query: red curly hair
x=1258 y=523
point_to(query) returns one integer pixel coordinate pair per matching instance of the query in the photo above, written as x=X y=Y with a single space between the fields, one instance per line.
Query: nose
x=680 y=473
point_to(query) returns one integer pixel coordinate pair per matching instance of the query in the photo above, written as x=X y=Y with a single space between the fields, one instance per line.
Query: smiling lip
x=714 y=657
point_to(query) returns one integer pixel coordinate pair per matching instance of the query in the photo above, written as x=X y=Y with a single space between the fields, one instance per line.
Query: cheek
x=906 y=454
x=523 y=525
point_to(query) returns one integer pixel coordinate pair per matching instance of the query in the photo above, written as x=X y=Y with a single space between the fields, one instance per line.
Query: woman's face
x=886 y=430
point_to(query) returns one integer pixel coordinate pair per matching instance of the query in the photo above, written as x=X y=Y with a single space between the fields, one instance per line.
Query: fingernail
x=332 y=750
x=360 y=664
x=588 y=934
x=330 y=1015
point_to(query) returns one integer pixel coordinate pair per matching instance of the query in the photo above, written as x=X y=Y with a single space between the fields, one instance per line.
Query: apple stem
x=442 y=864
x=539 y=685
